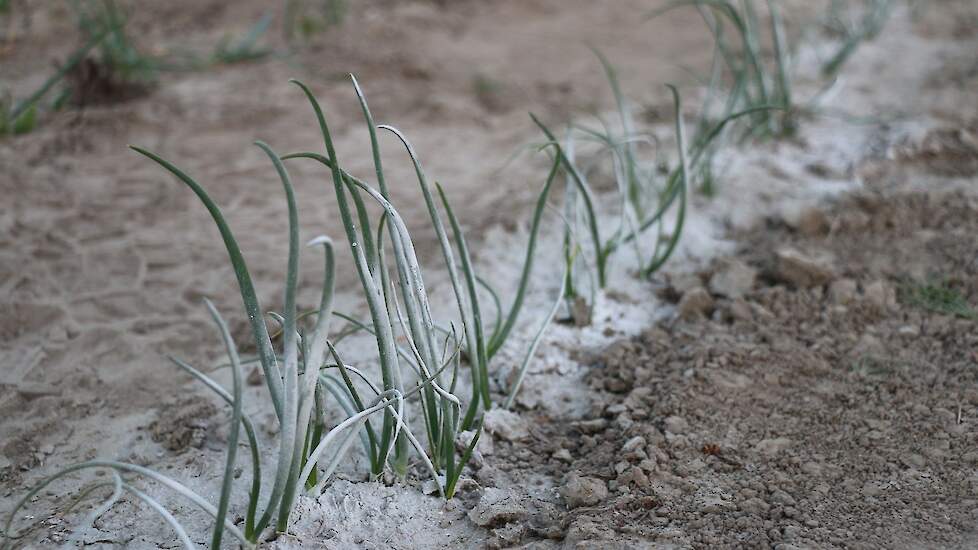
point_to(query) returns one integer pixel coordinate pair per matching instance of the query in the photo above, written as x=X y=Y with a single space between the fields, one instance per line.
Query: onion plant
x=746 y=78
x=21 y=117
x=645 y=198
x=246 y=48
x=312 y=19
x=651 y=201
x=308 y=367
x=854 y=29
x=398 y=303
x=116 y=50
x=753 y=80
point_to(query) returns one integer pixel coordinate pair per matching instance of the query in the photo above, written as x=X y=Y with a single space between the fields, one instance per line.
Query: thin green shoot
x=938 y=297
x=117 y=51
x=868 y=28
x=21 y=117
x=246 y=48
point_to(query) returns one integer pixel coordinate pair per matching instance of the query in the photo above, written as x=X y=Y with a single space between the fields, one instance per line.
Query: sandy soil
x=780 y=385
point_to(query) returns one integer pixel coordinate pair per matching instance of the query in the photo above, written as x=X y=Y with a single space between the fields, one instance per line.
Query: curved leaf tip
x=320 y=240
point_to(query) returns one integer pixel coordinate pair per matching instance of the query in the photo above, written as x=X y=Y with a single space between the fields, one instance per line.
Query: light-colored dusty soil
x=827 y=411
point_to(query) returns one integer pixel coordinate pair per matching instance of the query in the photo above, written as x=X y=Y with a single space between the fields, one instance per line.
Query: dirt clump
x=93 y=82
x=183 y=424
x=949 y=151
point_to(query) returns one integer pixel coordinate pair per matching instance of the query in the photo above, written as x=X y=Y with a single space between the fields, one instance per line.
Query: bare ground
x=823 y=406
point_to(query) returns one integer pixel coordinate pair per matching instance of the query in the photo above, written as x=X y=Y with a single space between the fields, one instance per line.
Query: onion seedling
x=298 y=377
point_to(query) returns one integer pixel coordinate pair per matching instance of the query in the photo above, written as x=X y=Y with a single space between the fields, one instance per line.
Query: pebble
x=583 y=491
x=755 y=506
x=908 y=330
x=649 y=465
x=715 y=504
x=563 y=455
x=880 y=294
x=741 y=310
x=812 y=222
x=696 y=302
x=676 y=425
x=633 y=444
x=732 y=279
x=429 y=487
x=843 y=291
x=684 y=282
x=782 y=497
x=497 y=507
x=592 y=426
x=634 y=476
x=506 y=425
x=807 y=220
x=916 y=460
x=792 y=532
x=801 y=270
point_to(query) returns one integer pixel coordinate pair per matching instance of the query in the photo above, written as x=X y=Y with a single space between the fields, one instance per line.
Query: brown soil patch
x=829 y=416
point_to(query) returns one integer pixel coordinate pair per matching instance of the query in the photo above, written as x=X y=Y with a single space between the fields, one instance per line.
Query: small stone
x=715 y=505
x=696 y=302
x=801 y=270
x=676 y=425
x=255 y=377
x=684 y=282
x=843 y=291
x=880 y=294
x=506 y=425
x=593 y=426
x=429 y=487
x=741 y=310
x=807 y=220
x=781 y=497
x=30 y=391
x=633 y=444
x=773 y=446
x=509 y=534
x=497 y=507
x=812 y=222
x=562 y=455
x=755 y=506
x=732 y=279
x=635 y=477
x=464 y=439
x=583 y=491
x=908 y=330
x=648 y=465
x=47 y=449
x=915 y=460
x=792 y=532
x=695 y=466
